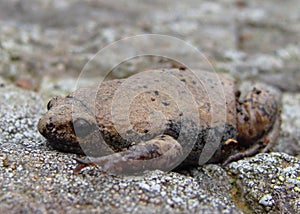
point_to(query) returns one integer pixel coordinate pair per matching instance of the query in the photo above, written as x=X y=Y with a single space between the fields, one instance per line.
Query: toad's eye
x=55 y=101
x=49 y=105
x=82 y=127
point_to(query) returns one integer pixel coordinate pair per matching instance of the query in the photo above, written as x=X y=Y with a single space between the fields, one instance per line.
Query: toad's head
x=69 y=122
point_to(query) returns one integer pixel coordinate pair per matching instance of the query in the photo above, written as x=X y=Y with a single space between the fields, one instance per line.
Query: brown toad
x=170 y=121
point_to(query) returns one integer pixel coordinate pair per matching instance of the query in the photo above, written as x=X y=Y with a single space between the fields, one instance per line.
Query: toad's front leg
x=162 y=152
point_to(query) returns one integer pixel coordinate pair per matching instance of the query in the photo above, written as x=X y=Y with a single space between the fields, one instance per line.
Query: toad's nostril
x=50 y=126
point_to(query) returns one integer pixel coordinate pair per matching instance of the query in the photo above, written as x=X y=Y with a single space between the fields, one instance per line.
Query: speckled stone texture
x=268 y=182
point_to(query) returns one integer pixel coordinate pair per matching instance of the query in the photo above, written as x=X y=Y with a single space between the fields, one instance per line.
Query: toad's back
x=156 y=102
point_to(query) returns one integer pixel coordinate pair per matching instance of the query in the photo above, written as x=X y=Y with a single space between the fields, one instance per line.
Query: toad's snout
x=46 y=126
x=53 y=128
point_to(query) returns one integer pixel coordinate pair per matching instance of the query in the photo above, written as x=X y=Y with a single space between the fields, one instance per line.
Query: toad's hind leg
x=162 y=152
x=262 y=145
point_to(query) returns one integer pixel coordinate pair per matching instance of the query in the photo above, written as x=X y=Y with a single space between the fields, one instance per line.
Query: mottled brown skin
x=252 y=124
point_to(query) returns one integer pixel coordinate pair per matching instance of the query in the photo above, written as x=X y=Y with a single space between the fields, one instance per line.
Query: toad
x=162 y=119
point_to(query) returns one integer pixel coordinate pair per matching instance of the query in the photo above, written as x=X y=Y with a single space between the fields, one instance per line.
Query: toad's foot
x=262 y=145
x=247 y=153
x=162 y=152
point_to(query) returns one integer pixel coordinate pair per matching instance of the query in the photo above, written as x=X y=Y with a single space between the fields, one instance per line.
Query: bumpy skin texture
x=153 y=141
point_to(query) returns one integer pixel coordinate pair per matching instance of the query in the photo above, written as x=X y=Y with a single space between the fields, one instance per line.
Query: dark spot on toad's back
x=166 y=103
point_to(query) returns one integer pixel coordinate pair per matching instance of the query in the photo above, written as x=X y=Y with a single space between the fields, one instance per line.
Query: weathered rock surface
x=268 y=183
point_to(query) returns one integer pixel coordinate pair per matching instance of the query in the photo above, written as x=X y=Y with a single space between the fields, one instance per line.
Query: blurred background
x=45 y=44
